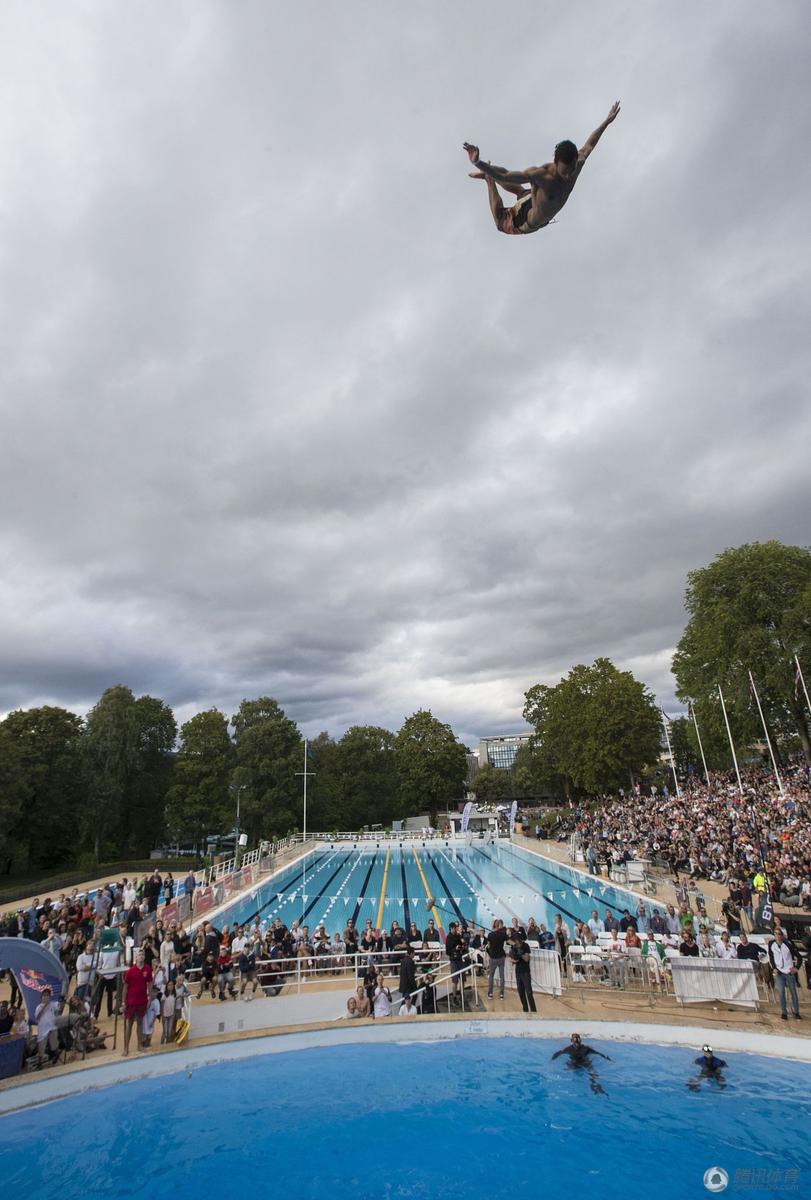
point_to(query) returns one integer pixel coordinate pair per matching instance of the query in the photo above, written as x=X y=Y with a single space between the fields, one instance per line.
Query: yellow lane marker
x=379 y=922
x=434 y=912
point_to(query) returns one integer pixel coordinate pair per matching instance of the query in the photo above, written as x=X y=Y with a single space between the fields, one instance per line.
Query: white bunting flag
x=576 y=892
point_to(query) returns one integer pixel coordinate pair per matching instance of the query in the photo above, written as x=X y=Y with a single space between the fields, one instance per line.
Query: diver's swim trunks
x=516 y=219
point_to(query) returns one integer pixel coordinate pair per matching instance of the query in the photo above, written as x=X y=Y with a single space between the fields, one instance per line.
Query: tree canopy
x=431 y=765
x=750 y=609
x=595 y=729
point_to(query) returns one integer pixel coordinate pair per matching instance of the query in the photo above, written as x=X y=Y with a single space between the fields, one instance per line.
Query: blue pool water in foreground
x=474 y=1118
x=475 y=884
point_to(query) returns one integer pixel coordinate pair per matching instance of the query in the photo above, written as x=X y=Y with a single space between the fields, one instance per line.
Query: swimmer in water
x=579 y=1057
x=710 y=1068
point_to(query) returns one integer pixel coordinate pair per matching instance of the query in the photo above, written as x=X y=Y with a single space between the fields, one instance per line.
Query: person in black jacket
x=496 y=943
x=521 y=957
x=408 y=974
x=455 y=950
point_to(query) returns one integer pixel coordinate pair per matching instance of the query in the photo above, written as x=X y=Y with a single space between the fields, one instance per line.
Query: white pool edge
x=45 y=1090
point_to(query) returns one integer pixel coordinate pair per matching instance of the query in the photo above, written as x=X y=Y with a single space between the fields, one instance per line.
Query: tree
x=269 y=752
x=198 y=802
x=596 y=728
x=127 y=748
x=369 y=778
x=48 y=746
x=12 y=783
x=750 y=609
x=490 y=785
x=324 y=806
x=431 y=765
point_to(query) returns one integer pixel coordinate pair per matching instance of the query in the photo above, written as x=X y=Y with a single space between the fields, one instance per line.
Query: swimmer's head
x=565 y=157
x=707 y=1049
x=576 y=1039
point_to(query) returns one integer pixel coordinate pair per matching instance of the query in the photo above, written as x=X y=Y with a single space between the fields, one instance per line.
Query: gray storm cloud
x=283 y=413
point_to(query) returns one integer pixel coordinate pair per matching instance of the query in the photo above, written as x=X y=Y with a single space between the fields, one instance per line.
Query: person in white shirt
x=724 y=948
x=785 y=973
x=239 y=943
x=382 y=1005
x=152 y=1014
x=408 y=1008
x=108 y=960
x=84 y=964
x=45 y=1020
x=595 y=923
x=128 y=895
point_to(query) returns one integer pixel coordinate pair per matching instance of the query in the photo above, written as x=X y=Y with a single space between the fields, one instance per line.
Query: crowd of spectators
x=713 y=832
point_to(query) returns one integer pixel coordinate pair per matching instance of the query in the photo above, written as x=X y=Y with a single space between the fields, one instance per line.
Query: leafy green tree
x=127 y=748
x=750 y=609
x=369 y=778
x=684 y=751
x=490 y=785
x=431 y=765
x=198 y=802
x=533 y=774
x=324 y=800
x=597 y=728
x=48 y=744
x=269 y=752
x=12 y=785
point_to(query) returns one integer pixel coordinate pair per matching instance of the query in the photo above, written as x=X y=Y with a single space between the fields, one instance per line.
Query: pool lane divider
x=406 y=911
x=275 y=894
x=428 y=896
x=313 y=902
x=359 y=905
x=454 y=905
x=526 y=883
x=487 y=888
x=378 y=922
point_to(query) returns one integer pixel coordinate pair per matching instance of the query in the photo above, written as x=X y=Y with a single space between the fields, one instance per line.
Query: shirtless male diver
x=550 y=186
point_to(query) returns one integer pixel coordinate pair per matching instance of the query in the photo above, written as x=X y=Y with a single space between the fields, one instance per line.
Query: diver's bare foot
x=472 y=152
x=475 y=175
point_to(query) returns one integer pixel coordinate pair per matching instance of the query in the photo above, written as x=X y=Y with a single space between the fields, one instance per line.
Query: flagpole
x=731 y=743
x=802 y=681
x=692 y=708
x=665 y=719
x=768 y=739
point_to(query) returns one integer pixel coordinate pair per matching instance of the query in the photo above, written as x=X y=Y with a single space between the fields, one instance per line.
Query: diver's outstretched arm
x=558 y=1053
x=501 y=174
x=594 y=138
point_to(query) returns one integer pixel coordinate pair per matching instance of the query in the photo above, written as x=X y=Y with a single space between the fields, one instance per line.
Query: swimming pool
x=476 y=1117
x=473 y=883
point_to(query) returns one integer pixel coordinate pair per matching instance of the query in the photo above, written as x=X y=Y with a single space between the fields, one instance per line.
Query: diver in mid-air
x=541 y=191
x=710 y=1068
x=579 y=1056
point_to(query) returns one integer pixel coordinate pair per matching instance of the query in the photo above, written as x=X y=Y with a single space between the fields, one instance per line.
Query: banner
x=34 y=969
x=170 y=912
x=203 y=901
x=466 y=811
x=513 y=811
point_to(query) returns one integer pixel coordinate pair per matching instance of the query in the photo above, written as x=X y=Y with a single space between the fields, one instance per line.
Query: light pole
x=239 y=790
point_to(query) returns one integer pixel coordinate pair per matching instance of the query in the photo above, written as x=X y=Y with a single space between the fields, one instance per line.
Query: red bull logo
x=34 y=980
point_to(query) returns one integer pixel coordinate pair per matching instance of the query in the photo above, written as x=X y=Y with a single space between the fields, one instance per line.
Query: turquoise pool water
x=475 y=884
x=474 y=1118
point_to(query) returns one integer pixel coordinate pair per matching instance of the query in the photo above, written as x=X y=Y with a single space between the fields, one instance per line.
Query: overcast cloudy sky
x=283 y=413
